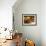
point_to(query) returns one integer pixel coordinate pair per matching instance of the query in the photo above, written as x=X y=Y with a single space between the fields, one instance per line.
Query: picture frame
x=29 y=19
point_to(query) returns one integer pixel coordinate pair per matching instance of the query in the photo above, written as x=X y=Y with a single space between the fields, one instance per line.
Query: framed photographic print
x=29 y=19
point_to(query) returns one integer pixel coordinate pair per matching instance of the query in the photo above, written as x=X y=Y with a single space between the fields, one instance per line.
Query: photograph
x=29 y=19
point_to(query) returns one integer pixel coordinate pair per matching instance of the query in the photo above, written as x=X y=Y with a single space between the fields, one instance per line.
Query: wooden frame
x=29 y=19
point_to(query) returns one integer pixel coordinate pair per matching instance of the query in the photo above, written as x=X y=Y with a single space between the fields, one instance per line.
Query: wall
x=43 y=22
x=6 y=16
x=6 y=13
x=28 y=7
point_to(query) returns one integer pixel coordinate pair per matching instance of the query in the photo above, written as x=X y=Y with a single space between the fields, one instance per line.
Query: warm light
x=16 y=31
x=26 y=38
